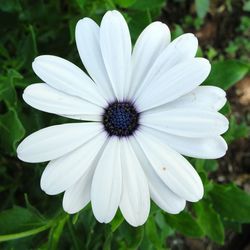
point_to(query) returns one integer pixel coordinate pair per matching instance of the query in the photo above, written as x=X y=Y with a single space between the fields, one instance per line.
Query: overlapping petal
x=135 y=199
x=106 y=186
x=150 y=44
x=88 y=45
x=202 y=148
x=116 y=51
x=55 y=141
x=62 y=173
x=45 y=98
x=187 y=122
x=159 y=191
x=172 y=168
x=77 y=196
x=203 y=97
x=179 y=50
x=68 y=78
x=174 y=83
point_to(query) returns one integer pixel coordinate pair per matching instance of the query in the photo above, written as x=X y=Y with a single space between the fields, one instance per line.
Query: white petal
x=173 y=169
x=203 y=148
x=77 y=196
x=62 y=173
x=88 y=45
x=176 y=82
x=182 y=48
x=159 y=191
x=135 y=200
x=187 y=122
x=56 y=141
x=43 y=97
x=203 y=97
x=107 y=183
x=116 y=51
x=151 y=42
x=67 y=77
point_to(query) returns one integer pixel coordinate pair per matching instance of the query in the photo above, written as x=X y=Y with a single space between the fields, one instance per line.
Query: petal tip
x=67 y=208
x=199 y=194
x=82 y=22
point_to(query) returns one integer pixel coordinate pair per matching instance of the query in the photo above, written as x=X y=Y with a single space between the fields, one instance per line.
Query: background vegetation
x=29 y=219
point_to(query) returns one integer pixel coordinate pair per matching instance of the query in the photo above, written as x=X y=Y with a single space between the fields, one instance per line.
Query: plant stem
x=15 y=236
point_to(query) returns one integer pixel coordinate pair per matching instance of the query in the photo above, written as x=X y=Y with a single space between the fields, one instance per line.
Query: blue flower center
x=120 y=119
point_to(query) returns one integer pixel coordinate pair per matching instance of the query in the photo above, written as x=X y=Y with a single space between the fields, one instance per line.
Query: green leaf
x=10 y=5
x=132 y=236
x=246 y=6
x=234 y=226
x=124 y=3
x=226 y=110
x=80 y=3
x=117 y=221
x=73 y=237
x=11 y=131
x=33 y=209
x=19 y=222
x=236 y=130
x=177 y=31
x=136 y=26
x=185 y=224
x=231 y=202
x=148 y=4
x=142 y=13
x=75 y=218
x=23 y=234
x=17 y=219
x=165 y=229
x=108 y=238
x=211 y=53
x=210 y=221
x=55 y=233
x=225 y=74
x=211 y=165
x=152 y=232
x=7 y=91
x=206 y=165
x=8 y=94
x=202 y=7
x=137 y=238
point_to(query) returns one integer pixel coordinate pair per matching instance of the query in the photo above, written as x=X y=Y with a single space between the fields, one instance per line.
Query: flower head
x=142 y=110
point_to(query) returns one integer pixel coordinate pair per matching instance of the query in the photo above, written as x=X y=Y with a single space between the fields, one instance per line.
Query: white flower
x=144 y=109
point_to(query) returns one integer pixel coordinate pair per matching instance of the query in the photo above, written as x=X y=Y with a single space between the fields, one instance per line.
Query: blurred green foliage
x=30 y=28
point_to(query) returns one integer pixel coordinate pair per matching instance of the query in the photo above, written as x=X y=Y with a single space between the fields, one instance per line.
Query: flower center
x=120 y=119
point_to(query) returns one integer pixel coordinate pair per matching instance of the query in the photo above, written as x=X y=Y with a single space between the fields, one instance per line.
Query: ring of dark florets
x=120 y=119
